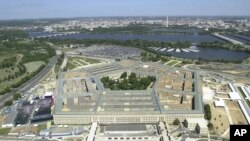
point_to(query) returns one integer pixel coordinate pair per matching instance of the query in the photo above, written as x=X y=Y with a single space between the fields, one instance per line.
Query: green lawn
x=80 y=62
x=41 y=127
x=88 y=60
x=70 y=66
x=172 y=62
x=74 y=62
x=4 y=55
x=26 y=41
x=33 y=66
x=91 y=61
x=56 y=69
x=4 y=131
x=66 y=49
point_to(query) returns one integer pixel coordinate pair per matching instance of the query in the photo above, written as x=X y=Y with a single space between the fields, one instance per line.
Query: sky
x=29 y=9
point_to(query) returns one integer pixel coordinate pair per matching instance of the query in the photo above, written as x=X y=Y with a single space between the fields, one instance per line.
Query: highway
x=30 y=83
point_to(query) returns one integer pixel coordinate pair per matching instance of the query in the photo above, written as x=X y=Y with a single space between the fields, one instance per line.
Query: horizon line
x=50 y=18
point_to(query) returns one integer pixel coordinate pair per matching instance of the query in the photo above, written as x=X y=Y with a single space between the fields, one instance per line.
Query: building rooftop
x=219 y=103
x=126 y=127
x=234 y=95
x=86 y=95
x=201 y=121
x=10 y=119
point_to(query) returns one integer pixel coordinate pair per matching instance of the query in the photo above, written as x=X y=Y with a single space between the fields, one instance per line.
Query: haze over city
x=28 y=9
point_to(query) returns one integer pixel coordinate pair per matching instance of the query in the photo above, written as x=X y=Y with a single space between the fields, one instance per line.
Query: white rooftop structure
x=92 y=131
x=200 y=121
x=208 y=94
x=145 y=66
x=234 y=96
x=232 y=87
x=48 y=94
x=219 y=103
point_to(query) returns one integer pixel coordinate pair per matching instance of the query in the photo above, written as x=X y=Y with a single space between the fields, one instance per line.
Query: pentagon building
x=81 y=97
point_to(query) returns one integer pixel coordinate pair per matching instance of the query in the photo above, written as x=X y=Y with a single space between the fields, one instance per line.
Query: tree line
x=128 y=43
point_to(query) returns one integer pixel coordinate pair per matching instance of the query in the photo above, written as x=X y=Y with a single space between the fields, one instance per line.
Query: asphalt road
x=30 y=83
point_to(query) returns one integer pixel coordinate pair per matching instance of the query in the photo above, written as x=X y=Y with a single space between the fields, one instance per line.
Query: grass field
x=172 y=62
x=4 y=55
x=66 y=49
x=56 y=68
x=91 y=61
x=33 y=66
x=4 y=131
x=41 y=127
x=70 y=66
x=26 y=41
x=74 y=62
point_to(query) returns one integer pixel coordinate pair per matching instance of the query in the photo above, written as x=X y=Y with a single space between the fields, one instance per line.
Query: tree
x=8 y=103
x=124 y=75
x=16 y=96
x=176 y=121
x=132 y=76
x=145 y=81
x=210 y=125
x=208 y=114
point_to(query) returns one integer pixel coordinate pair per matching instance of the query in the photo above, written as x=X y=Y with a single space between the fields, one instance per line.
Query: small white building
x=219 y=103
x=234 y=96
x=208 y=94
x=196 y=124
x=47 y=94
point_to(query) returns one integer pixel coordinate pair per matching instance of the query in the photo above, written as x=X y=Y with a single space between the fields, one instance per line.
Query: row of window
x=80 y=120
x=128 y=138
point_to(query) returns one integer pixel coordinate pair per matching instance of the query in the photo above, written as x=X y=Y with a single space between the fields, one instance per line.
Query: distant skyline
x=35 y=9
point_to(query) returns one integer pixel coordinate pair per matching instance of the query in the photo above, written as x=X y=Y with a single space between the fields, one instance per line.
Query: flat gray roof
x=126 y=127
x=10 y=119
x=122 y=99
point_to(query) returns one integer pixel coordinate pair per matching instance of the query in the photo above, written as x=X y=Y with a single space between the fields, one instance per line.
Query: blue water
x=205 y=53
x=172 y=37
